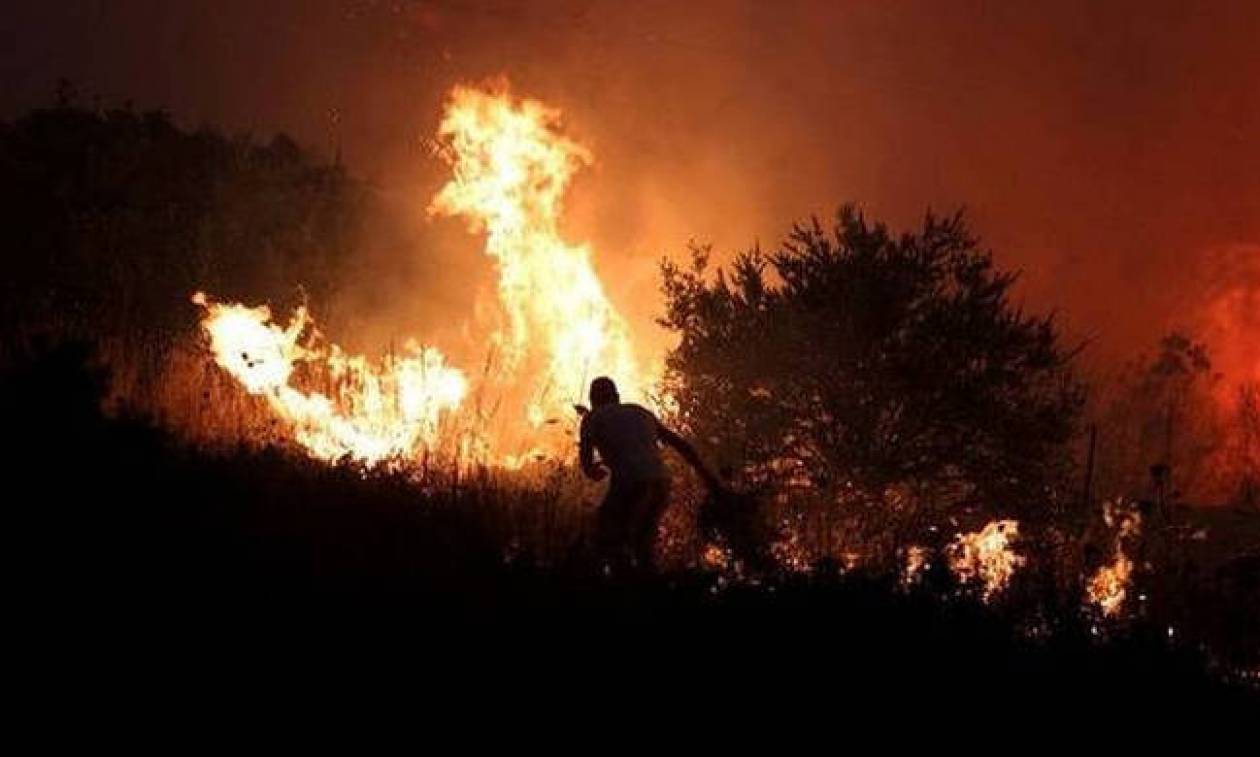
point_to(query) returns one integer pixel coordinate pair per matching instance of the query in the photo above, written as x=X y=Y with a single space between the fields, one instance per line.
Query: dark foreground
x=138 y=557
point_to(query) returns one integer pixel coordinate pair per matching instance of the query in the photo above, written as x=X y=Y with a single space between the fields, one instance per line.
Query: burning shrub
x=986 y=557
x=1109 y=587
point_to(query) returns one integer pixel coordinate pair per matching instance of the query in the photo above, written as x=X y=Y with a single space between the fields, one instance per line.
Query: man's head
x=604 y=392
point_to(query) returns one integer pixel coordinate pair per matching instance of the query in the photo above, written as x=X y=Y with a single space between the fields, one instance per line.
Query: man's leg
x=650 y=506
x=612 y=525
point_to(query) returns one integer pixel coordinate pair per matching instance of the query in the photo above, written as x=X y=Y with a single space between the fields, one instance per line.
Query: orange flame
x=1108 y=588
x=510 y=169
x=986 y=556
x=917 y=563
x=376 y=411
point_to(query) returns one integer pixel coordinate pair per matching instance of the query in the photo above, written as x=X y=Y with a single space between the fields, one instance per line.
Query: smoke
x=1227 y=315
x=1108 y=152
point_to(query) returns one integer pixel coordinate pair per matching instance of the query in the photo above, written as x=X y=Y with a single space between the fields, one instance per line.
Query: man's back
x=626 y=436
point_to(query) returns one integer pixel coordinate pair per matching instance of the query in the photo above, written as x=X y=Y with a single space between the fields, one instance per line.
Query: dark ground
x=138 y=557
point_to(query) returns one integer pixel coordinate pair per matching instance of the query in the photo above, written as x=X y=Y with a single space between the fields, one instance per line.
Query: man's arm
x=586 y=453
x=688 y=453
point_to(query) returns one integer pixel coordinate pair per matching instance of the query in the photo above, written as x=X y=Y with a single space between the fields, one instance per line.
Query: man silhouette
x=628 y=438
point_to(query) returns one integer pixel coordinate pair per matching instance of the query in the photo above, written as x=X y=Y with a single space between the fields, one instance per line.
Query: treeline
x=881 y=393
x=116 y=216
x=894 y=373
x=890 y=372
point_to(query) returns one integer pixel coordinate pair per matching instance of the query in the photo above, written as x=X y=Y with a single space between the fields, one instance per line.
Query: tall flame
x=510 y=167
x=1108 y=588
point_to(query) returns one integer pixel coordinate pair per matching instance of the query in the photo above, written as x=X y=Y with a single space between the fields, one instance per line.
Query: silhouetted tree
x=116 y=216
x=861 y=366
x=1162 y=413
x=1244 y=448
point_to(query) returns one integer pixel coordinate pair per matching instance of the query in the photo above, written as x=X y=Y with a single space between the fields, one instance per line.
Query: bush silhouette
x=859 y=364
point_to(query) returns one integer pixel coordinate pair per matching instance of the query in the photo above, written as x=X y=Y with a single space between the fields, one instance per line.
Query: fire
x=917 y=562
x=715 y=558
x=1109 y=586
x=986 y=556
x=373 y=412
x=511 y=167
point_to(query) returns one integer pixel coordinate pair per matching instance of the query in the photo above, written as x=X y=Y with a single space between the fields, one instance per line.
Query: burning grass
x=1109 y=587
x=148 y=529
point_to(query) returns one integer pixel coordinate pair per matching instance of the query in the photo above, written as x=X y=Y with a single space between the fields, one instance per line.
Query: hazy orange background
x=1112 y=154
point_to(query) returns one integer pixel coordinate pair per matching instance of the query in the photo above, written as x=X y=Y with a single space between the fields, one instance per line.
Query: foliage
x=885 y=364
x=1164 y=414
x=116 y=217
x=852 y=360
x=140 y=550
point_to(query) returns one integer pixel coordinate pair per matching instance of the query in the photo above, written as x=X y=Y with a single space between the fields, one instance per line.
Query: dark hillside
x=124 y=531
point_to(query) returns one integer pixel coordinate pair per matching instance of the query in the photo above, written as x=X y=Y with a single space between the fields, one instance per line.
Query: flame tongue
x=1108 y=588
x=510 y=169
x=374 y=411
x=245 y=343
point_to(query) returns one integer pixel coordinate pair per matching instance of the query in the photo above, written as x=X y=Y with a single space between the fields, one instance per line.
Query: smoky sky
x=1108 y=150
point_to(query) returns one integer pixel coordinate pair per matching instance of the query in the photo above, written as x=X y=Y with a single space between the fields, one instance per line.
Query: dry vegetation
x=189 y=489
